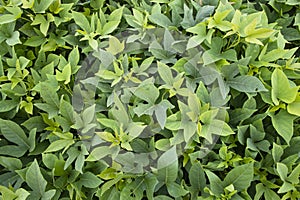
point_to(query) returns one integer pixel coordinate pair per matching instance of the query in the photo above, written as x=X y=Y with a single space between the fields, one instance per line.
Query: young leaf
x=81 y=21
x=283 y=124
x=281 y=88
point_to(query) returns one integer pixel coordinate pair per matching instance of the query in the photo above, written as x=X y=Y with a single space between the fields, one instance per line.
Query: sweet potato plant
x=149 y=99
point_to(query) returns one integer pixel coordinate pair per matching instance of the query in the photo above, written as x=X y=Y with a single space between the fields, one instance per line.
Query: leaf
x=7 y=193
x=241 y=177
x=215 y=184
x=35 y=179
x=167 y=158
x=197 y=177
x=216 y=127
x=167 y=166
x=281 y=88
x=90 y=180
x=150 y=184
x=246 y=84
x=113 y=21
x=283 y=124
x=115 y=46
x=14 y=39
x=41 y=7
x=13 y=133
x=58 y=145
x=176 y=190
x=160 y=19
x=160 y=112
x=165 y=73
x=48 y=195
x=81 y=20
x=7 y=18
x=294 y=107
x=100 y=152
x=147 y=92
x=282 y=171
x=7 y=105
x=66 y=110
x=11 y=164
x=74 y=58
x=65 y=75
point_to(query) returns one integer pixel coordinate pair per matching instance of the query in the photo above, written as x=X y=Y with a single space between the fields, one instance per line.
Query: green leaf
x=282 y=171
x=147 y=92
x=215 y=184
x=283 y=124
x=49 y=160
x=281 y=88
x=160 y=19
x=40 y=6
x=115 y=46
x=58 y=145
x=200 y=30
x=165 y=73
x=7 y=18
x=65 y=75
x=35 y=179
x=81 y=20
x=246 y=84
x=14 y=133
x=176 y=190
x=241 y=177
x=277 y=152
x=216 y=127
x=101 y=152
x=197 y=177
x=167 y=166
x=7 y=193
x=7 y=105
x=160 y=112
x=14 y=39
x=90 y=180
x=294 y=107
x=11 y=164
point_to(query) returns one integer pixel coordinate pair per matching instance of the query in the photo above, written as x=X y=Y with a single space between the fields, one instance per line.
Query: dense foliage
x=149 y=99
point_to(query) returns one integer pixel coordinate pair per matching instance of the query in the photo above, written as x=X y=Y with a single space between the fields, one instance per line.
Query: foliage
x=158 y=100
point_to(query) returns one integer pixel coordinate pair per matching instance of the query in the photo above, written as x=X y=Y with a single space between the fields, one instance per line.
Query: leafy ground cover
x=149 y=99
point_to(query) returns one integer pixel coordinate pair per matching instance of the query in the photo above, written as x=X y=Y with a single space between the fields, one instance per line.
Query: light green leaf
x=283 y=124
x=294 y=107
x=160 y=112
x=81 y=20
x=58 y=145
x=65 y=75
x=282 y=171
x=165 y=73
x=115 y=46
x=281 y=88
x=14 y=39
x=7 y=193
